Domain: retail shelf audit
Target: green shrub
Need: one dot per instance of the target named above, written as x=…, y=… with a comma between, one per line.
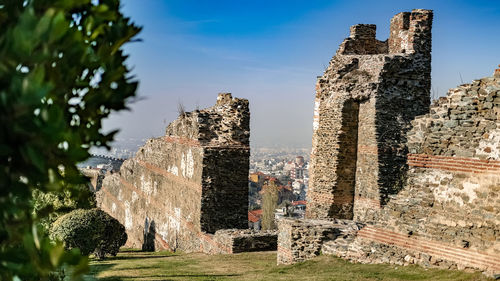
x=56, y=204
x=92, y=231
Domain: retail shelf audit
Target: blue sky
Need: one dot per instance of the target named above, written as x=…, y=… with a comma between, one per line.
x=271, y=52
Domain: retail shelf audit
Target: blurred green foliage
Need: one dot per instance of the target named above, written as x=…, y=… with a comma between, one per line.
x=61, y=203
x=62, y=71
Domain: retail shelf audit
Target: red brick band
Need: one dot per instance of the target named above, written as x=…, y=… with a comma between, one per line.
x=184, y=141
x=282, y=251
x=153, y=201
x=164, y=243
x=367, y=202
x=197, y=143
x=466, y=257
x=455, y=164
x=210, y=240
x=177, y=179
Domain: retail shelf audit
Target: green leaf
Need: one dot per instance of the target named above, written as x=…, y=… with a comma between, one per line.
x=56, y=253
x=59, y=27
x=44, y=23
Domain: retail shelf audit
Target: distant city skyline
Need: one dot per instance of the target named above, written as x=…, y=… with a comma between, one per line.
x=270, y=52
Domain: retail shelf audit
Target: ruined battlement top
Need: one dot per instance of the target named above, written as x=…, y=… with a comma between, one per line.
x=227, y=122
x=362, y=60
x=410, y=32
x=363, y=31
x=225, y=98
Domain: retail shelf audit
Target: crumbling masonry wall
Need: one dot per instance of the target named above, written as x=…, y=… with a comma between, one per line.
x=364, y=104
x=448, y=214
x=181, y=188
x=421, y=183
x=303, y=239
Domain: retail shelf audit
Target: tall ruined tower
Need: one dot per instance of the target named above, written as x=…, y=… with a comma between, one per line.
x=364, y=104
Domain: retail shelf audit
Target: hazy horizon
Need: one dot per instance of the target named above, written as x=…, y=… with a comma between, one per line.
x=271, y=54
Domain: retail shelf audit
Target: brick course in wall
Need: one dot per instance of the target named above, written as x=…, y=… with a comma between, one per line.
x=364, y=104
x=421, y=181
x=401, y=248
x=180, y=189
x=450, y=163
x=448, y=214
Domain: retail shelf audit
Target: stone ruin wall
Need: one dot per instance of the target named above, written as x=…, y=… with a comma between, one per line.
x=448, y=214
x=182, y=188
x=364, y=104
x=303, y=239
x=426, y=179
x=392, y=179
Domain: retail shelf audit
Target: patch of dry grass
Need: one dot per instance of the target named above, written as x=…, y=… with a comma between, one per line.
x=134, y=265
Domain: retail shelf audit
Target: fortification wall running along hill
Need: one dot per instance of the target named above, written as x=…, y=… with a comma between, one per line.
x=188, y=190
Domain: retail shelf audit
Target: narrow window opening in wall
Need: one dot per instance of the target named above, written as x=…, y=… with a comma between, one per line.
x=347, y=158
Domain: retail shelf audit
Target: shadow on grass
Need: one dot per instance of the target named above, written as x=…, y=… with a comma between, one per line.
x=136, y=257
x=114, y=279
x=130, y=250
x=191, y=275
x=163, y=276
x=95, y=269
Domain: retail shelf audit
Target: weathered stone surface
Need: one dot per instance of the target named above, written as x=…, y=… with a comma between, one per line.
x=448, y=213
x=96, y=177
x=231, y=241
x=303, y=239
x=192, y=182
x=423, y=180
x=364, y=104
x=465, y=123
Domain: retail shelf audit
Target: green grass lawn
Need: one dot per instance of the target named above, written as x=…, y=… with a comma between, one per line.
x=134, y=265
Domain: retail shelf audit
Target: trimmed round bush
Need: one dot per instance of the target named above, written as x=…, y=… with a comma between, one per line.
x=92, y=231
